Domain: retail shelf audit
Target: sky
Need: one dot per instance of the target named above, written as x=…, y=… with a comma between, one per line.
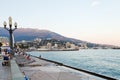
x=96, y=21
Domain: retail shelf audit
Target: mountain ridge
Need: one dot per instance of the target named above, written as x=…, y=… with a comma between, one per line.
x=29, y=34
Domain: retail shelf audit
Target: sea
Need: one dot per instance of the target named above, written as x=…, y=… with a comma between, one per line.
x=101, y=61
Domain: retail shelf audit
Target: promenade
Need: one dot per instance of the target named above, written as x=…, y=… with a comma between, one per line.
x=44, y=70
x=39, y=69
x=5, y=72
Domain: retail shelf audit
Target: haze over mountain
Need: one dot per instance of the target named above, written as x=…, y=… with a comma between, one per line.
x=29, y=34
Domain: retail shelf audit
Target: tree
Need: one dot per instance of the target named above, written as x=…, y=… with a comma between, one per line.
x=1, y=44
x=0, y=47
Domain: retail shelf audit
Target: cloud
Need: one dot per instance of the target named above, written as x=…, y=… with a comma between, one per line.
x=95, y=3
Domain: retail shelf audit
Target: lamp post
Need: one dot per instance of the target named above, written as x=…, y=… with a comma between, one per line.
x=10, y=30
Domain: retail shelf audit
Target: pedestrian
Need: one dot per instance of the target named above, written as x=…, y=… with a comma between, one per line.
x=25, y=77
x=5, y=59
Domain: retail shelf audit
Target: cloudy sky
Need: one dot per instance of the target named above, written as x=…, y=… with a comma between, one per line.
x=90, y=20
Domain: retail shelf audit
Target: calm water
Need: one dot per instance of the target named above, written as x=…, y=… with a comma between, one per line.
x=106, y=62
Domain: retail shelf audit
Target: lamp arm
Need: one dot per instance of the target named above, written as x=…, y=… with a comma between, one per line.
x=7, y=29
x=14, y=29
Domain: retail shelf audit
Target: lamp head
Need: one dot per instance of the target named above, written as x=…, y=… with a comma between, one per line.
x=5, y=24
x=15, y=24
x=10, y=21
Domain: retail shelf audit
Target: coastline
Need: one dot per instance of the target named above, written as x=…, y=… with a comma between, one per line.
x=43, y=69
x=54, y=50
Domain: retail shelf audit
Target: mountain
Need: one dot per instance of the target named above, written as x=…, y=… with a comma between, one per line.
x=30, y=34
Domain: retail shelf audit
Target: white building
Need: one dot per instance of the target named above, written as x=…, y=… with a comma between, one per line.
x=4, y=41
x=68, y=45
x=37, y=39
x=49, y=45
x=56, y=46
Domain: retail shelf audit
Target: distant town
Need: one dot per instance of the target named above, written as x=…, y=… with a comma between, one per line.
x=49, y=44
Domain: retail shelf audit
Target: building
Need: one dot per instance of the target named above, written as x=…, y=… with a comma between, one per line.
x=4, y=41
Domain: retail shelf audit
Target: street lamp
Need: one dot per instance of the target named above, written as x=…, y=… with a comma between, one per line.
x=10, y=30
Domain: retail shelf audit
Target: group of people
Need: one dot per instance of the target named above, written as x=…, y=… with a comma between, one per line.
x=7, y=55
x=25, y=55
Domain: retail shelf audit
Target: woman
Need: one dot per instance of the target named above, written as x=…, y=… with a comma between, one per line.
x=5, y=59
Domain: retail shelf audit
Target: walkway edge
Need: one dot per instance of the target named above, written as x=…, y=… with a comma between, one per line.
x=16, y=73
x=92, y=73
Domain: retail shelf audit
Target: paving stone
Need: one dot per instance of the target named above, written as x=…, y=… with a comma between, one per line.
x=5, y=72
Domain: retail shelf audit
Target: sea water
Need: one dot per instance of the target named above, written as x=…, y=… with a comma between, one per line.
x=101, y=61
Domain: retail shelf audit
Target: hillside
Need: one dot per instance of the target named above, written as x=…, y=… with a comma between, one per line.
x=30, y=34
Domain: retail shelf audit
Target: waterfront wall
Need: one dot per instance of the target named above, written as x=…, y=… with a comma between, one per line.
x=16, y=73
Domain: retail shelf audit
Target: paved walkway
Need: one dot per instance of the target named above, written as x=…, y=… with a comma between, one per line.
x=43, y=70
x=5, y=72
x=38, y=69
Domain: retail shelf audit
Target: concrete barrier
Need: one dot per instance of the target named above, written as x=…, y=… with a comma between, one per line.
x=16, y=73
x=92, y=73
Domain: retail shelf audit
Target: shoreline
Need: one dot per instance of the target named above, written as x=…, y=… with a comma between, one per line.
x=92, y=73
x=53, y=50
x=41, y=66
